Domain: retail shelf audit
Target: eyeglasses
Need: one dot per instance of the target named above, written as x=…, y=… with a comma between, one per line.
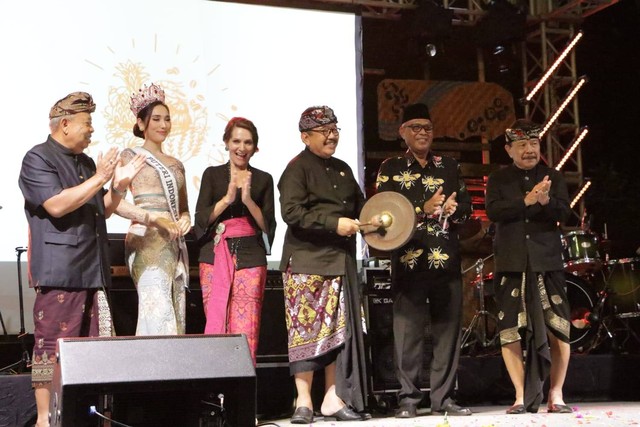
x=417, y=128
x=326, y=132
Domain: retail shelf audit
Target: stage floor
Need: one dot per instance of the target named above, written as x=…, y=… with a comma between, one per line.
x=602, y=389
x=592, y=414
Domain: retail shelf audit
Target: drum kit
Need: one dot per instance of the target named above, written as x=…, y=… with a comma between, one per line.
x=603, y=293
x=612, y=284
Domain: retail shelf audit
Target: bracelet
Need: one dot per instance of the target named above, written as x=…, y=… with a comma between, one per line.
x=118, y=192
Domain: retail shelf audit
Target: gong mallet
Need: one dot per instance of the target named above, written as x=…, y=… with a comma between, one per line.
x=386, y=219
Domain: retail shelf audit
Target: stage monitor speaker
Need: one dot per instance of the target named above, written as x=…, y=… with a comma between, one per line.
x=185, y=380
x=379, y=310
x=273, y=340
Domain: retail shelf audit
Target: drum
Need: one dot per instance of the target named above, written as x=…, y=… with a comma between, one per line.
x=581, y=255
x=623, y=280
x=582, y=300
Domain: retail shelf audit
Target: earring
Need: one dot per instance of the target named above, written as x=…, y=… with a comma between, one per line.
x=226, y=148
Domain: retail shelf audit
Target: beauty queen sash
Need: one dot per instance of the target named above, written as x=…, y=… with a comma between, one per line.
x=170, y=187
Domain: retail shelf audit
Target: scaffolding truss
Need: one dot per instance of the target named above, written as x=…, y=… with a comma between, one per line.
x=551, y=28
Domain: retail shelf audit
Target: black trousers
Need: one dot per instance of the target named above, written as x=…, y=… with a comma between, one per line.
x=443, y=289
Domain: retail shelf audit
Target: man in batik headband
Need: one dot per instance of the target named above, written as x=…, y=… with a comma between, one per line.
x=527, y=201
x=314, y=117
x=74, y=103
x=522, y=130
x=66, y=206
x=319, y=199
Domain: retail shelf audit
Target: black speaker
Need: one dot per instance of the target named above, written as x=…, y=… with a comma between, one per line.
x=379, y=313
x=276, y=389
x=123, y=301
x=186, y=380
x=123, y=297
x=273, y=341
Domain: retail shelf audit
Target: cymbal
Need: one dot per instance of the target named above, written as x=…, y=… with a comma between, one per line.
x=398, y=218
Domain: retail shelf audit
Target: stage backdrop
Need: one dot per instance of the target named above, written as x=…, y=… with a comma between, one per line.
x=459, y=110
x=215, y=60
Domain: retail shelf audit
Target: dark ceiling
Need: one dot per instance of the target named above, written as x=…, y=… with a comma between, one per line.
x=609, y=104
x=609, y=54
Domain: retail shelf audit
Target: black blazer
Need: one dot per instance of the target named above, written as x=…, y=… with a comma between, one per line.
x=250, y=251
x=526, y=234
x=314, y=194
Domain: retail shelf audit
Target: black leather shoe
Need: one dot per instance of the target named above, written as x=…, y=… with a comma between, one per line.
x=406, y=411
x=516, y=410
x=344, y=414
x=559, y=409
x=453, y=410
x=365, y=416
x=302, y=415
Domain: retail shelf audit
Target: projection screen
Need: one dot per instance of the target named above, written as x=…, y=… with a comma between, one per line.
x=216, y=60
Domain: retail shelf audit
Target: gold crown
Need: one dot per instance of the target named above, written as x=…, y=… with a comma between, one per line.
x=146, y=96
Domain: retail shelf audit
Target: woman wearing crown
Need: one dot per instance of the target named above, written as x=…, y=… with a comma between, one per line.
x=235, y=221
x=155, y=249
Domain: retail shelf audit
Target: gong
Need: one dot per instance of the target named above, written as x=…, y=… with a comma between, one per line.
x=398, y=221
